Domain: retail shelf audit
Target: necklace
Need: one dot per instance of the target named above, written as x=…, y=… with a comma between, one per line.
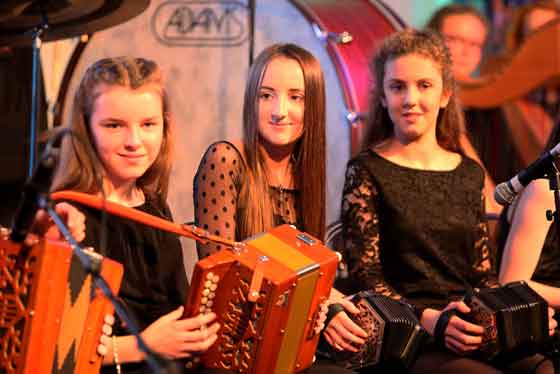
x=283, y=182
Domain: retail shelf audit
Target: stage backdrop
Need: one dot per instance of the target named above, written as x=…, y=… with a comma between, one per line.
x=203, y=48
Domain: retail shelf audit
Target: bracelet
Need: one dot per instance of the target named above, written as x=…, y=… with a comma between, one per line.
x=116, y=355
x=334, y=309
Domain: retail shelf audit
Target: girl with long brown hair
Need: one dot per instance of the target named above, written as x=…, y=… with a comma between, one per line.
x=276, y=173
x=121, y=149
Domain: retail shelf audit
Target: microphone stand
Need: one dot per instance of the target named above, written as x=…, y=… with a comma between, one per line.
x=36, y=35
x=93, y=267
x=554, y=184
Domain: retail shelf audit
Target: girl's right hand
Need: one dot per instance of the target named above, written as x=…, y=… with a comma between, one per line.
x=173, y=337
x=460, y=336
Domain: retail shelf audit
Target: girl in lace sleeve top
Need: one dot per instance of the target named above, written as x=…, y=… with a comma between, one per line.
x=276, y=173
x=413, y=212
x=248, y=186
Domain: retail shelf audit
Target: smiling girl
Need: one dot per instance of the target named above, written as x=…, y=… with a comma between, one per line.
x=122, y=150
x=413, y=211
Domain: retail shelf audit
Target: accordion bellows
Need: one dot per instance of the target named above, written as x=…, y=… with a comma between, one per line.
x=514, y=317
x=50, y=312
x=267, y=297
x=395, y=336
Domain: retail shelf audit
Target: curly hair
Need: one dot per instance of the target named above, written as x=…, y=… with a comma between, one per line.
x=429, y=44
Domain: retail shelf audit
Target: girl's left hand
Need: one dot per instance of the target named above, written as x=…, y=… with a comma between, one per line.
x=43, y=226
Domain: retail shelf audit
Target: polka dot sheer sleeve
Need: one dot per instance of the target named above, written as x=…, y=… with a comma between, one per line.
x=216, y=187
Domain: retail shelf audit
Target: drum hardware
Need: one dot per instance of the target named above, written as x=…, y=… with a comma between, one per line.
x=354, y=117
x=339, y=38
x=46, y=20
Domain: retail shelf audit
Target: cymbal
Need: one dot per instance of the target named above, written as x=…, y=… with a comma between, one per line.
x=65, y=18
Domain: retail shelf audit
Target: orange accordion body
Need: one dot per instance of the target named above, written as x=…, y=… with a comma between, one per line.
x=50, y=312
x=267, y=294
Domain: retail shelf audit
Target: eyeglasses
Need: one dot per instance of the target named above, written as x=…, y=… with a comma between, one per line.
x=469, y=43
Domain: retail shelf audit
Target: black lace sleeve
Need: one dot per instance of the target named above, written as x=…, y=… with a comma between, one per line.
x=215, y=193
x=360, y=225
x=483, y=266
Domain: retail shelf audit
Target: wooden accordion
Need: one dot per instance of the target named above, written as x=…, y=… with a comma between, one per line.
x=514, y=317
x=267, y=295
x=50, y=312
x=394, y=334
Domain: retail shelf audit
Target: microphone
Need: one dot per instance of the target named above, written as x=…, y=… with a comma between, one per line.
x=36, y=186
x=506, y=191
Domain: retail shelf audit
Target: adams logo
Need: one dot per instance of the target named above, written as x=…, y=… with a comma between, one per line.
x=201, y=23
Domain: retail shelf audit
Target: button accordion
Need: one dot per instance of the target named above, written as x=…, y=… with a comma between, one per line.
x=395, y=336
x=514, y=317
x=267, y=293
x=50, y=312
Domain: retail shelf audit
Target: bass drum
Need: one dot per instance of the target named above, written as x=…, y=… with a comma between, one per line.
x=203, y=48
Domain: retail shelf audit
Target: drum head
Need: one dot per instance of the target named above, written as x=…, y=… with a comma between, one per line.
x=203, y=49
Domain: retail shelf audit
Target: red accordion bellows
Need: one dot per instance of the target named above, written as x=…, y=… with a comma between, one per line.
x=49, y=323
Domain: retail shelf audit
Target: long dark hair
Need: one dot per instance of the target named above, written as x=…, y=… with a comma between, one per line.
x=309, y=153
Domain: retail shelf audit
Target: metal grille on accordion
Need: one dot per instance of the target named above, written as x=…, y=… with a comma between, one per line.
x=514, y=317
x=267, y=295
x=395, y=335
x=50, y=313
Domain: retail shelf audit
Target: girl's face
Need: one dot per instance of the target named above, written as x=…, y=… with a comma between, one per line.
x=127, y=128
x=413, y=95
x=281, y=102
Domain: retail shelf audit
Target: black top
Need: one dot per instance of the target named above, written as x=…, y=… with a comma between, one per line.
x=217, y=184
x=413, y=233
x=154, y=281
x=547, y=270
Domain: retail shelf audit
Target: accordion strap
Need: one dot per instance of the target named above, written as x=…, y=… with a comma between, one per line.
x=189, y=231
x=441, y=325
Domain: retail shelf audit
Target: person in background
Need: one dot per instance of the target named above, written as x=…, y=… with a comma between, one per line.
x=530, y=241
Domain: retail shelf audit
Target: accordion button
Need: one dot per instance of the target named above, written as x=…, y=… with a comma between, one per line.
x=215, y=279
x=210, y=303
x=213, y=287
x=206, y=292
x=210, y=275
x=208, y=284
x=211, y=295
x=204, y=300
x=202, y=309
x=189, y=365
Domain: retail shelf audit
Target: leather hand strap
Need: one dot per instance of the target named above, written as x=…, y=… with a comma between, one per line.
x=441, y=325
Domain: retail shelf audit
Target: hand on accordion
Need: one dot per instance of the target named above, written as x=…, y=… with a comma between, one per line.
x=341, y=332
x=458, y=335
x=173, y=337
x=552, y=323
x=44, y=226
x=106, y=332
